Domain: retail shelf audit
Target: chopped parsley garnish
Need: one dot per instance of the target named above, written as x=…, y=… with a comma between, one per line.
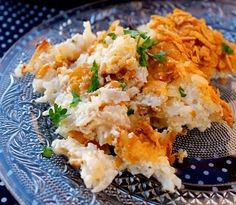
x=143, y=57
x=123, y=84
x=143, y=34
x=182, y=92
x=227, y=49
x=161, y=56
x=142, y=50
x=132, y=33
x=76, y=99
x=130, y=111
x=73, y=41
x=146, y=44
x=112, y=35
x=94, y=84
x=57, y=114
x=47, y=152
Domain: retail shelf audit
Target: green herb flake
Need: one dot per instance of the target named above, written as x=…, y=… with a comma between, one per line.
x=73, y=41
x=57, y=114
x=161, y=56
x=227, y=49
x=143, y=34
x=182, y=92
x=123, y=85
x=130, y=111
x=143, y=57
x=76, y=99
x=47, y=152
x=148, y=43
x=94, y=84
x=112, y=35
x=134, y=33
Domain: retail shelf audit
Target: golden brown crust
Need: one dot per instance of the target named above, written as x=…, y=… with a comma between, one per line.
x=41, y=47
x=80, y=79
x=192, y=39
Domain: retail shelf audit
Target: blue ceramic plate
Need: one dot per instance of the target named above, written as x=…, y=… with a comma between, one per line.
x=208, y=174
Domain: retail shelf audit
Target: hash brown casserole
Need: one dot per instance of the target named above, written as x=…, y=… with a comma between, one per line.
x=120, y=97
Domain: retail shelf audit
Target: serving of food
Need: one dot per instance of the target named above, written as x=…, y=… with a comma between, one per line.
x=120, y=97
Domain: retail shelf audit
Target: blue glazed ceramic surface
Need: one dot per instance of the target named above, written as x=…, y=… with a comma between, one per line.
x=208, y=174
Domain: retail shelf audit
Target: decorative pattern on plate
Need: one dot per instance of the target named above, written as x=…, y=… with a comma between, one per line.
x=209, y=175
